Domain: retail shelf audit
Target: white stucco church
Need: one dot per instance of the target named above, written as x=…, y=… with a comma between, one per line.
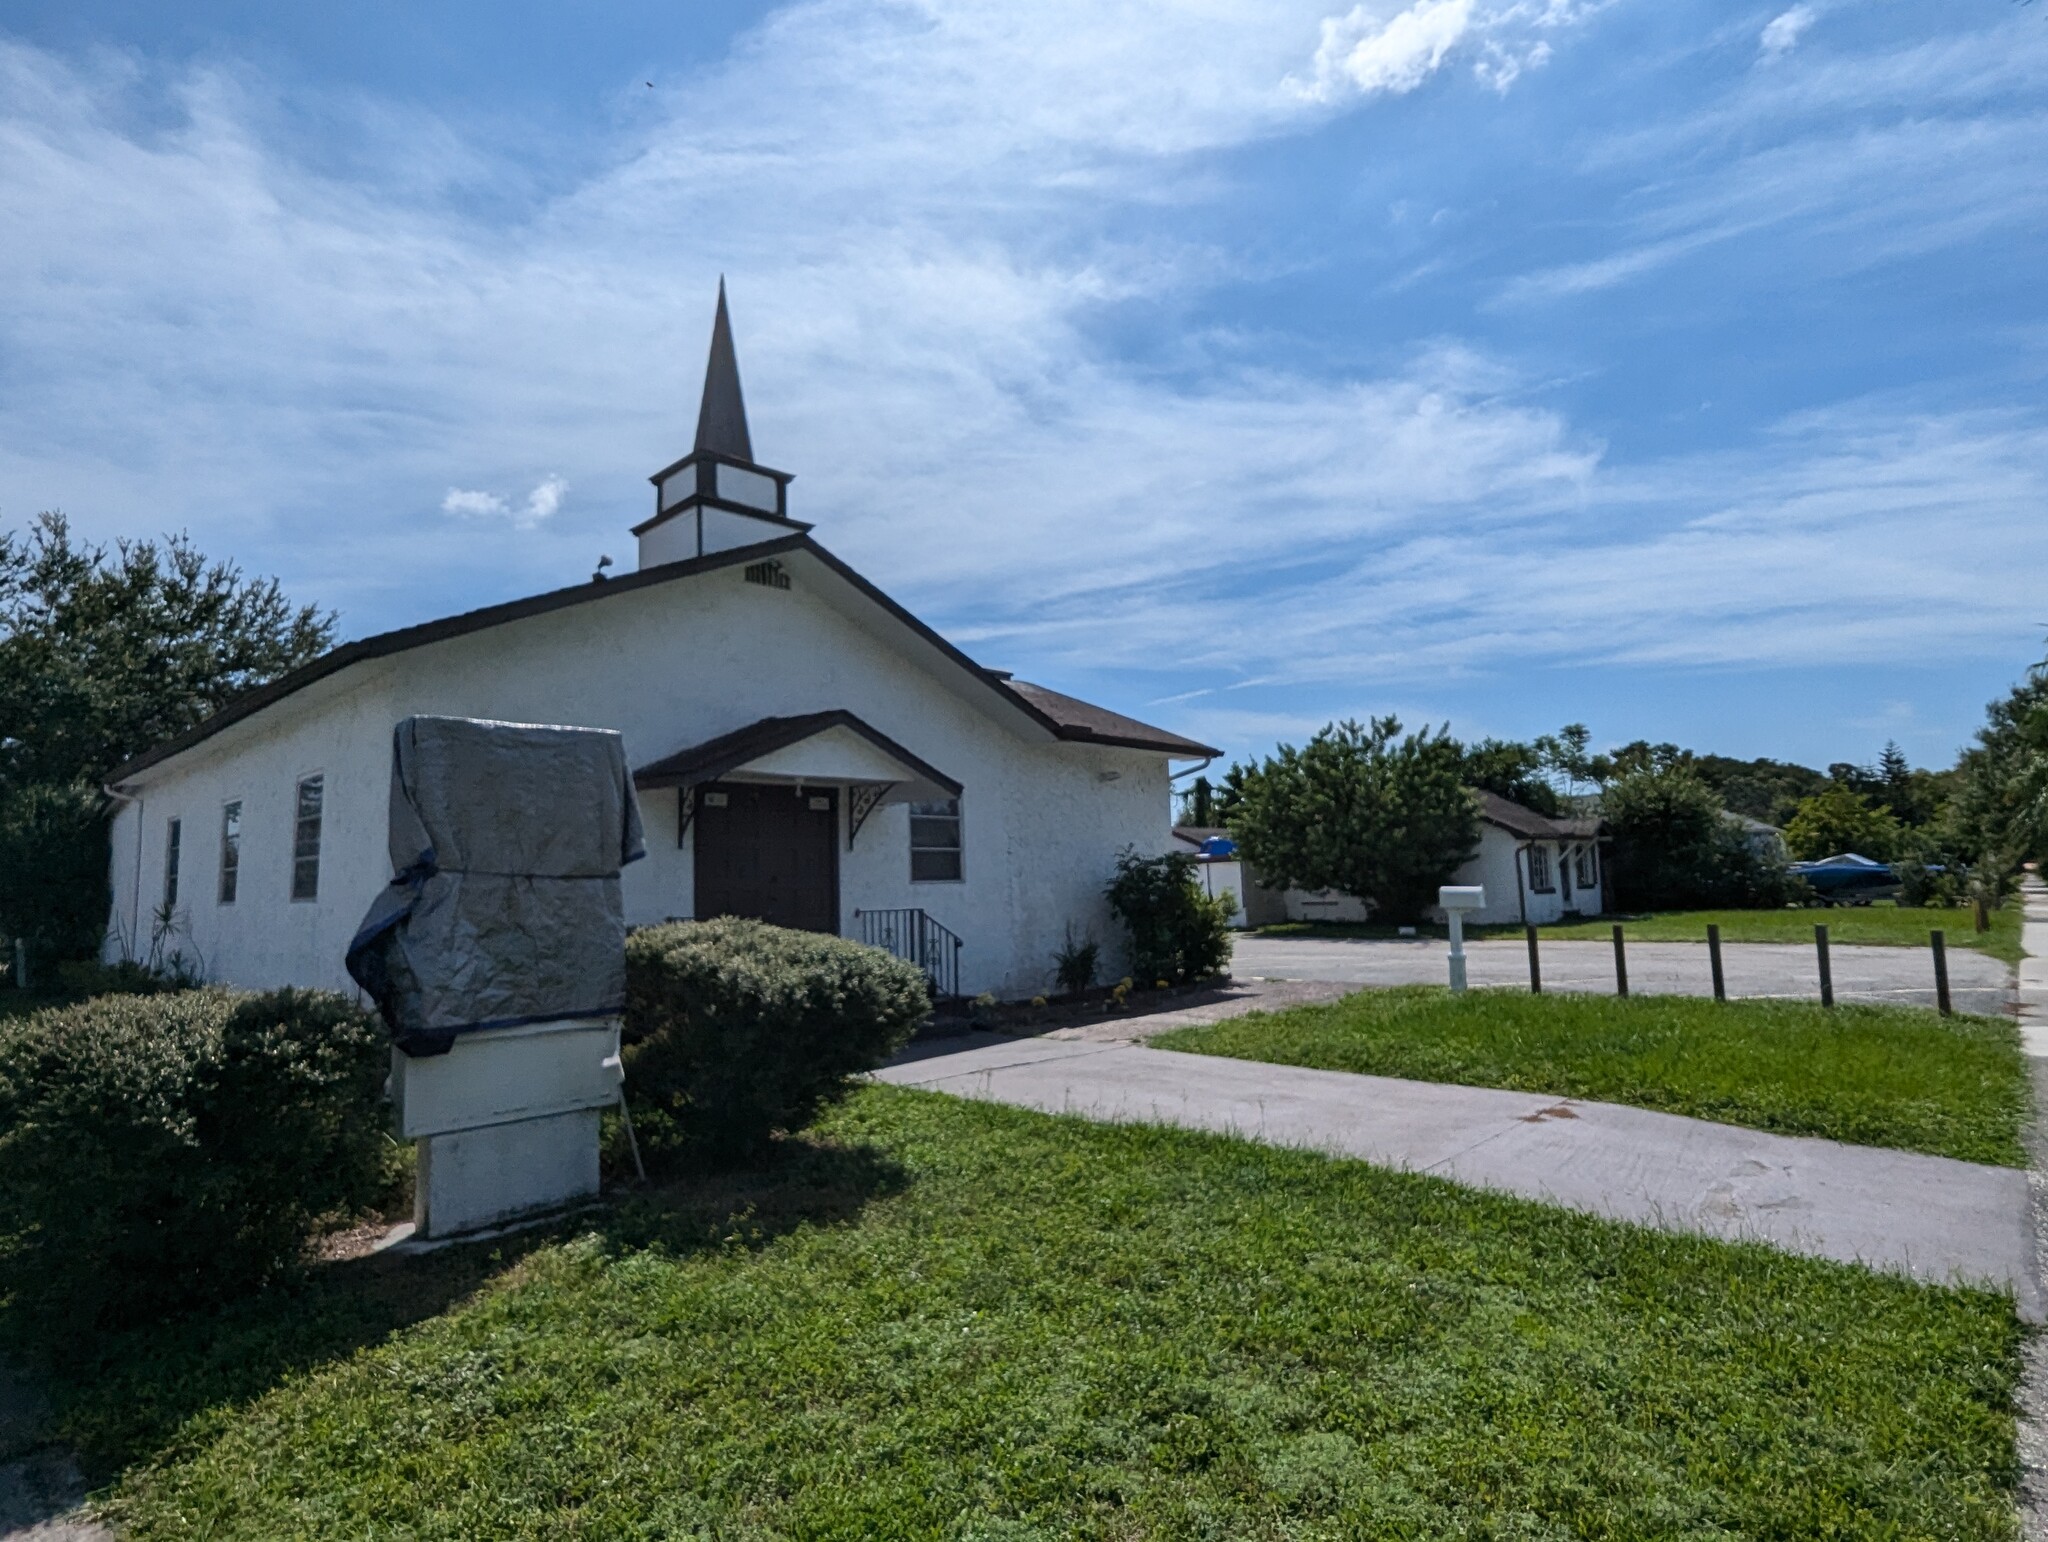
x=806, y=751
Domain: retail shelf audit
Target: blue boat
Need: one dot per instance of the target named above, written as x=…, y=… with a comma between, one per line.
x=1848, y=879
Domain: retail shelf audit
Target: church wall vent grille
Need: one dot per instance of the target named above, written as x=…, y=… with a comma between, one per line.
x=770, y=574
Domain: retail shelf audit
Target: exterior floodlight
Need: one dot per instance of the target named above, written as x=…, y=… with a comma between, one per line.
x=1455, y=899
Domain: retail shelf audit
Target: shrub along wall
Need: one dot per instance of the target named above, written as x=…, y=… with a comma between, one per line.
x=159, y=1153
x=736, y=1029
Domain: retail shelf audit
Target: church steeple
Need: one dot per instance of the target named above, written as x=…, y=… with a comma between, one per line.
x=717, y=497
x=722, y=419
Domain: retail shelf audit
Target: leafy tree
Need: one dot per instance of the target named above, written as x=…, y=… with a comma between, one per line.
x=1672, y=849
x=1998, y=816
x=1363, y=810
x=1568, y=754
x=1179, y=932
x=1763, y=788
x=1198, y=804
x=1513, y=771
x=103, y=654
x=1839, y=820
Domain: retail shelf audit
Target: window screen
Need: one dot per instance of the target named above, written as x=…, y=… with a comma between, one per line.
x=230, y=850
x=1539, y=867
x=1588, y=868
x=173, y=838
x=306, y=841
x=935, y=841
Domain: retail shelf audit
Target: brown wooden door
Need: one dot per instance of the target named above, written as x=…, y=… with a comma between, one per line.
x=768, y=852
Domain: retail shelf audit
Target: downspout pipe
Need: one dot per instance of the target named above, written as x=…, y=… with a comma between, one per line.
x=1521, y=891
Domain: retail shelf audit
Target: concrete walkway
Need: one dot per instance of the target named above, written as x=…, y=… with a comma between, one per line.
x=1930, y=1217
x=1903, y=976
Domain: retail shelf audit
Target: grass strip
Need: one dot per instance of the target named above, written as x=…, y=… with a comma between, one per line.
x=939, y=1318
x=1870, y=1075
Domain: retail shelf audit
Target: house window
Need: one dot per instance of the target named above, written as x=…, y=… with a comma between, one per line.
x=230, y=850
x=306, y=841
x=174, y=833
x=1588, y=868
x=935, y=841
x=1539, y=869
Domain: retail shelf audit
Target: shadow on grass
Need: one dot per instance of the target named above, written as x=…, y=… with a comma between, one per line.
x=150, y=1393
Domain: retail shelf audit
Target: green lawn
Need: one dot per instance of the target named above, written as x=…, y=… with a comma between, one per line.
x=1884, y=924
x=952, y=1319
x=1878, y=1076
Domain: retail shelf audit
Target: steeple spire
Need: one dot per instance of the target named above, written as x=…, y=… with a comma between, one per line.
x=717, y=497
x=722, y=419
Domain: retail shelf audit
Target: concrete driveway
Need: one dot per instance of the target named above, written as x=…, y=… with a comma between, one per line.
x=1977, y=981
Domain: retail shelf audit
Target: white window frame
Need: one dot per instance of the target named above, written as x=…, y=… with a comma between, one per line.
x=299, y=786
x=228, y=882
x=174, y=853
x=1548, y=885
x=958, y=848
x=1588, y=869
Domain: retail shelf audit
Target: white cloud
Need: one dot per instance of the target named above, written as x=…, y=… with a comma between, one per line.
x=1365, y=53
x=540, y=504
x=1368, y=51
x=1782, y=33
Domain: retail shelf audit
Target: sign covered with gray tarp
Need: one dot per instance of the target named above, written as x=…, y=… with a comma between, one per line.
x=507, y=840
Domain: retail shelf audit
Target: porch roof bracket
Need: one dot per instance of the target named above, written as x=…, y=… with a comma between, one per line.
x=862, y=799
x=686, y=810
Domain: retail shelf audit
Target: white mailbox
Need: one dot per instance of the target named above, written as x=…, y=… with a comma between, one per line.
x=1455, y=899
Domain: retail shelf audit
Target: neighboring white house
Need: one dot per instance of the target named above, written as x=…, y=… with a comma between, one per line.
x=1251, y=903
x=1535, y=869
x=806, y=751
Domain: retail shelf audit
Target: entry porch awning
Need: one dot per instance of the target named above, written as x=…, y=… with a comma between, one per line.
x=834, y=747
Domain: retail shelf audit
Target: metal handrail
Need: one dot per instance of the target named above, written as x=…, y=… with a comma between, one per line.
x=913, y=935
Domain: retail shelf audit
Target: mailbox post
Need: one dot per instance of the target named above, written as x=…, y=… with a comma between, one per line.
x=1455, y=900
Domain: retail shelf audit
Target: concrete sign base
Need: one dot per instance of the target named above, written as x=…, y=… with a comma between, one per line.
x=506, y=1123
x=476, y=1178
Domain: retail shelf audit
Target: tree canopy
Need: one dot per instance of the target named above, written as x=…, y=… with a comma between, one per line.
x=103, y=654
x=1361, y=809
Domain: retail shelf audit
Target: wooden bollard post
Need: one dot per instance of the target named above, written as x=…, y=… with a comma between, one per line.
x=1940, y=944
x=1714, y=958
x=1535, y=966
x=1827, y=974
x=1620, y=964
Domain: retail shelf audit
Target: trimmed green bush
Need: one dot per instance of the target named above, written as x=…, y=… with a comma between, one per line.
x=737, y=1029
x=1178, y=931
x=160, y=1153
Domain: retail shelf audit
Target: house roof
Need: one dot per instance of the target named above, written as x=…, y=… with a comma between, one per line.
x=728, y=752
x=1194, y=835
x=1527, y=823
x=1061, y=716
x=1079, y=720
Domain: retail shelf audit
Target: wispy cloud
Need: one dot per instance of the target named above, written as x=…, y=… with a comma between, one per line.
x=1782, y=33
x=927, y=213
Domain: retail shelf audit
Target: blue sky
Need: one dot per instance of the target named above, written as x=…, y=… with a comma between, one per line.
x=1671, y=367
